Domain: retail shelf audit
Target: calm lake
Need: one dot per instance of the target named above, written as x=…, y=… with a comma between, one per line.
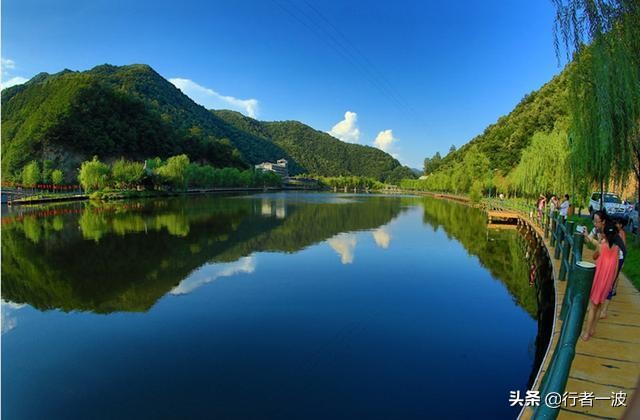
x=284, y=305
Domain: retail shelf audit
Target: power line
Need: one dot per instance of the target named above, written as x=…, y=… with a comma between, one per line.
x=336, y=40
x=358, y=54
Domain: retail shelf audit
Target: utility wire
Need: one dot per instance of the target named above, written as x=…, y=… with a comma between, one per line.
x=345, y=48
x=363, y=58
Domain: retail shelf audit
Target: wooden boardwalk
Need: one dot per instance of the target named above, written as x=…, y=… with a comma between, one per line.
x=609, y=361
x=502, y=216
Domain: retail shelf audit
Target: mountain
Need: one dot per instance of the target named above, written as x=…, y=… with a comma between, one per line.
x=319, y=153
x=504, y=141
x=133, y=112
x=70, y=116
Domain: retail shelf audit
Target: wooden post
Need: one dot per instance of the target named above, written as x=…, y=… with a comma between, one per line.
x=560, y=238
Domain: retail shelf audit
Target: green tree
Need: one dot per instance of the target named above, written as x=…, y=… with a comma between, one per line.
x=174, y=171
x=271, y=179
x=31, y=174
x=57, y=177
x=126, y=174
x=476, y=166
x=476, y=191
x=47, y=169
x=604, y=85
x=459, y=180
x=543, y=167
x=432, y=165
x=452, y=148
x=426, y=165
x=94, y=175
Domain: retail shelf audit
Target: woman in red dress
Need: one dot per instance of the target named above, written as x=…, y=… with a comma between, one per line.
x=606, y=270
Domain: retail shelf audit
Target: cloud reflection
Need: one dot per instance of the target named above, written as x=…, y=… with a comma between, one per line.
x=9, y=322
x=344, y=244
x=213, y=272
x=382, y=238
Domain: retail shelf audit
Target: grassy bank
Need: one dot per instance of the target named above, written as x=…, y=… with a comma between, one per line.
x=631, y=266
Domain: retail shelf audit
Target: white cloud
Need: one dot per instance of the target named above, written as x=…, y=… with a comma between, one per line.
x=347, y=129
x=8, y=64
x=344, y=244
x=384, y=140
x=5, y=70
x=14, y=81
x=211, y=99
x=212, y=272
x=382, y=238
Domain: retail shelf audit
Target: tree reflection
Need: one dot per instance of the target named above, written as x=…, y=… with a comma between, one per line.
x=499, y=251
x=125, y=256
x=517, y=258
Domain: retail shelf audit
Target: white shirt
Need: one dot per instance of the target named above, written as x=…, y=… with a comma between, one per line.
x=564, y=208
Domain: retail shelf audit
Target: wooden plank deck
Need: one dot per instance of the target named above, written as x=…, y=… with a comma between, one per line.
x=502, y=216
x=610, y=360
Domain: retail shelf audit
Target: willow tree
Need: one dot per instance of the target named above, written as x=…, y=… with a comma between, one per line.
x=31, y=174
x=604, y=86
x=543, y=166
x=93, y=175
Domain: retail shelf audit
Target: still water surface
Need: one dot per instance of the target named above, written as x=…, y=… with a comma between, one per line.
x=265, y=306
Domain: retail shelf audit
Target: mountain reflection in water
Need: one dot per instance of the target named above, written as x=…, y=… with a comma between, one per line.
x=270, y=305
x=125, y=256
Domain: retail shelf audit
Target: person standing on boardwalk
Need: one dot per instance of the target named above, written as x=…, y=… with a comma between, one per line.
x=599, y=219
x=621, y=242
x=564, y=206
x=553, y=204
x=606, y=271
x=542, y=202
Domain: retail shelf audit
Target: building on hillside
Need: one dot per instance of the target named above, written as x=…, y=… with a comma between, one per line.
x=279, y=167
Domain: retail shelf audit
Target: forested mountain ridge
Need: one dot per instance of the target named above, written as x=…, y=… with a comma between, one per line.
x=504, y=141
x=133, y=112
x=70, y=116
x=318, y=152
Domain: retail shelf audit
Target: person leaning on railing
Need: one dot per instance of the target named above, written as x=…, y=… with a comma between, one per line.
x=606, y=271
x=564, y=206
x=553, y=204
x=542, y=202
x=621, y=241
x=596, y=235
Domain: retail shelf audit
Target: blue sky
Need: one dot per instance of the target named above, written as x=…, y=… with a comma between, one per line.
x=412, y=77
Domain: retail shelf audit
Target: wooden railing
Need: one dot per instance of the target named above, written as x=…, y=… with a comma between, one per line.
x=568, y=245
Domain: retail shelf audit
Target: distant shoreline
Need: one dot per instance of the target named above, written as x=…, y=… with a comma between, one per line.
x=132, y=194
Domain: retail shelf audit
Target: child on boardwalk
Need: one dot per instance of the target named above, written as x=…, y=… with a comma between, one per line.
x=606, y=270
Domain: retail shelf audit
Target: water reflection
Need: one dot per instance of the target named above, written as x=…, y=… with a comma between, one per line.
x=519, y=260
x=344, y=244
x=268, y=332
x=212, y=272
x=125, y=256
x=382, y=237
x=9, y=320
x=499, y=251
